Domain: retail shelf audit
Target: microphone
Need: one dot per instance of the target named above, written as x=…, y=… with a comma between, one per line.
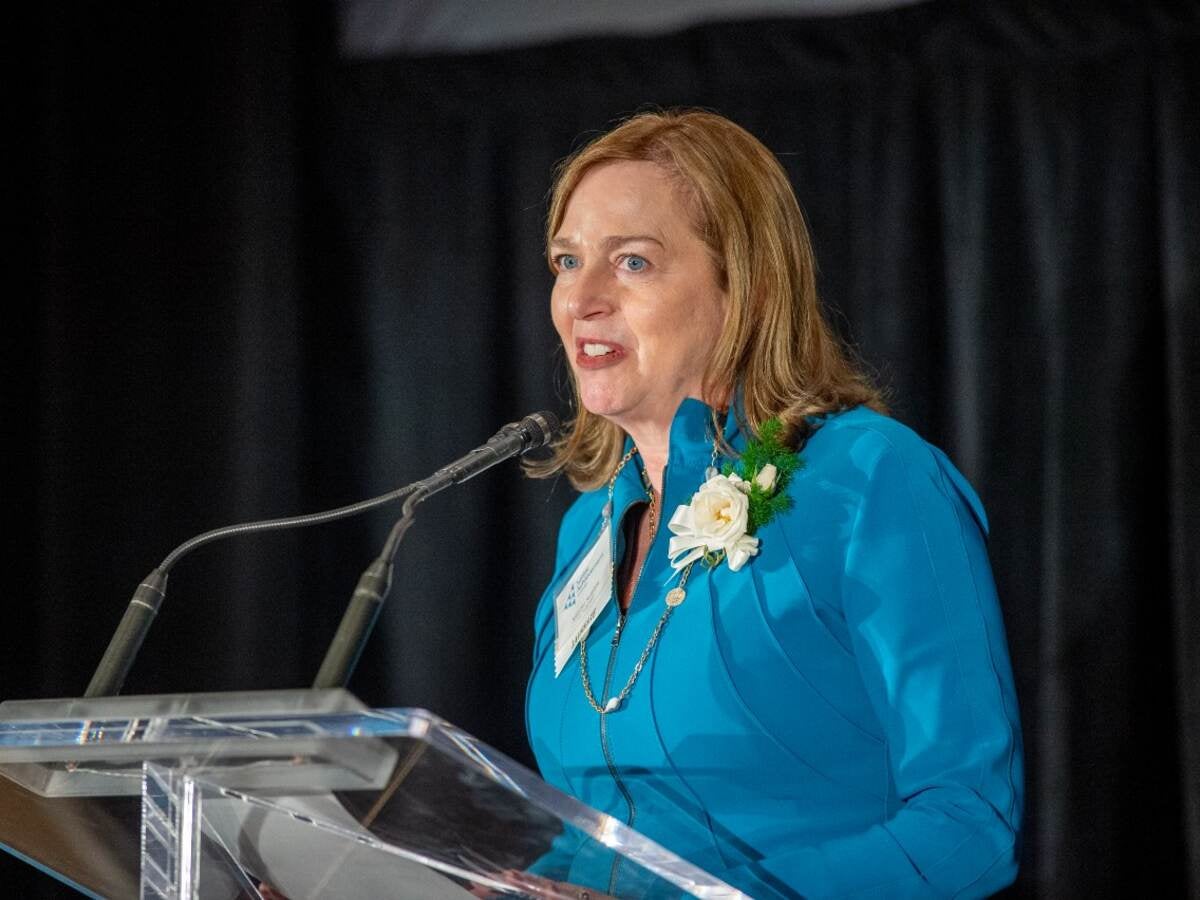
x=533, y=431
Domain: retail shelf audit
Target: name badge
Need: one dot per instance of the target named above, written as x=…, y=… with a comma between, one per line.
x=582, y=599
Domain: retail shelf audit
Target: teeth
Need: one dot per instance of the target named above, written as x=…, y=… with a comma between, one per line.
x=596, y=349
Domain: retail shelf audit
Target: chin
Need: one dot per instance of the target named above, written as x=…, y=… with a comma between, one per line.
x=605, y=409
x=602, y=403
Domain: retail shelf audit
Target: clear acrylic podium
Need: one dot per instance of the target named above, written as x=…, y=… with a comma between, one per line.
x=307, y=793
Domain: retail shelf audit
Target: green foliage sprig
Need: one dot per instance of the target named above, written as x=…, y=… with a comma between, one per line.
x=767, y=449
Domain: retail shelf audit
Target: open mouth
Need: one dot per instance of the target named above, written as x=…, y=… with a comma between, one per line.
x=593, y=353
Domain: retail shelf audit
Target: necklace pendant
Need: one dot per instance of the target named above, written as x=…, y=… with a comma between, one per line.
x=675, y=596
x=613, y=704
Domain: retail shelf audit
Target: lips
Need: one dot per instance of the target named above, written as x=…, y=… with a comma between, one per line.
x=593, y=353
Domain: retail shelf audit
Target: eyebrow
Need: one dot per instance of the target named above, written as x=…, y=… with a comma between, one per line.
x=609, y=242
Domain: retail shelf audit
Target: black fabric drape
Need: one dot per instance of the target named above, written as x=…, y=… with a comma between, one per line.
x=267, y=280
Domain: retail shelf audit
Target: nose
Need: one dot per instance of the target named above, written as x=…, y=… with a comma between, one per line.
x=589, y=296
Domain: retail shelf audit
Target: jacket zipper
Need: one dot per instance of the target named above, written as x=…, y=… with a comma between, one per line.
x=612, y=767
x=608, y=674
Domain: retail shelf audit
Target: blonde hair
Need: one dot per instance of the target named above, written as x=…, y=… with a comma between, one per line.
x=776, y=346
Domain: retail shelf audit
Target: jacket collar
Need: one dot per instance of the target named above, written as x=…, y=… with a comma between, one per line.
x=689, y=456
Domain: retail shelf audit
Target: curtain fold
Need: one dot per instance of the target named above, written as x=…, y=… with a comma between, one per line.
x=1176, y=138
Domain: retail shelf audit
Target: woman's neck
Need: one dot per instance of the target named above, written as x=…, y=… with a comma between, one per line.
x=653, y=446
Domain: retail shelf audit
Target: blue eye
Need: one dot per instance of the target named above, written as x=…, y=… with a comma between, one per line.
x=567, y=261
x=635, y=263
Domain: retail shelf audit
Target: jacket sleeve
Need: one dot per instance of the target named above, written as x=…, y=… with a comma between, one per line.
x=926, y=630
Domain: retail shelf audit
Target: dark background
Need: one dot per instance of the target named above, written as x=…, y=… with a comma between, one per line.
x=254, y=277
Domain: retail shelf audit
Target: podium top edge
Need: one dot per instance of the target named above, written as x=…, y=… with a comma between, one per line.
x=225, y=703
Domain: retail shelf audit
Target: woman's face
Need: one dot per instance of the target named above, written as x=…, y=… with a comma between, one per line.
x=636, y=298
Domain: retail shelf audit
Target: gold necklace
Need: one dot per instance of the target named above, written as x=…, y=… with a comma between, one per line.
x=674, y=597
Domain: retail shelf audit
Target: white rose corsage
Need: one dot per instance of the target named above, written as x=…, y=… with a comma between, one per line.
x=720, y=522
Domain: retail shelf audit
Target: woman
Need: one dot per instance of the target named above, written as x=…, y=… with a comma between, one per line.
x=826, y=706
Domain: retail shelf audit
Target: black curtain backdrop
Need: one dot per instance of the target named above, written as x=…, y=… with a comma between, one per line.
x=261, y=279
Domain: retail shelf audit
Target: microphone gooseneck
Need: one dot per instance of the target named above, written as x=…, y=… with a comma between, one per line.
x=533, y=431
x=143, y=606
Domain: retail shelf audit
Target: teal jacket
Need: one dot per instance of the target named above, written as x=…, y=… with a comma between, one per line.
x=837, y=718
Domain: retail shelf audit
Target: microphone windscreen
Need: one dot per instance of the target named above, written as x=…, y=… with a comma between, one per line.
x=538, y=429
